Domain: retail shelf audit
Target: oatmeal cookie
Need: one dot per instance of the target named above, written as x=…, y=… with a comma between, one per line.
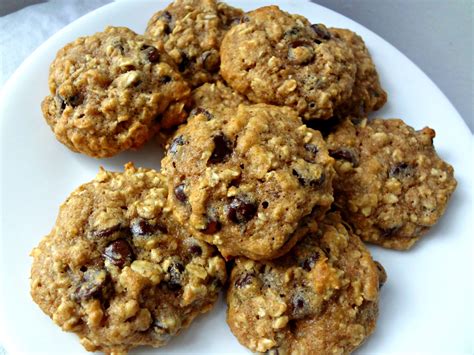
x=281, y=59
x=244, y=179
x=217, y=96
x=112, y=91
x=118, y=270
x=390, y=183
x=191, y=32
x=367, y=93
x=320, y=298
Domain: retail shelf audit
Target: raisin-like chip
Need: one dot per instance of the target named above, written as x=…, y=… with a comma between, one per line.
x=347, y=154
x=222, y=149
x=179, y=193
x=243, y=280
x=178, y=141
x=309, y=262
x=240, y=210
x=321, y=31
x=401, y=171
x=175, y=271
x=165, y=79
x=311, y=148
x=210, y=60
x=309, y=182
x=91, y=285
x=195, y=250
x=151, y=53
x=140, y=227
x=200, y=110
x=389, y=232
x=212, y=226
x=102, y=233
x=184, y=64
x=119, y=253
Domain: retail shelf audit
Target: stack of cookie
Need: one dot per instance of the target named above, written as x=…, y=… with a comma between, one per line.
x=272, y=171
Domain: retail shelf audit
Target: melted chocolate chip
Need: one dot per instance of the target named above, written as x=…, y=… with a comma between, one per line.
x=311, y=148
x=309, y=262
x=102, y=233
x=212, y=226
x=401, y=171
x=165, y=79
x=309, y=182
x=211, y=60
x=389, y=232
x=119, y=253
x=347, y=154
x=175, y=271
x=200, y=110
x=222, y=149
x=178, y=141
x=151, y=53
x=91, y=285
x=184, y=64
x=195, y=250
x=241, y=211
x=265, y=204
x=140, y=227
x=179, y=193
x=243, y=280
x=61, y=103
x=321, y=31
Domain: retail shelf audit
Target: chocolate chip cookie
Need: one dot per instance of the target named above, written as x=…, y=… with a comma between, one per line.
x=281, y=59
x=112, y=91
x=244, y=179
x=118, y=270
x=367, y=93
x=217, y=96
x=390, y=184
x=320, y=298
x=191, y=32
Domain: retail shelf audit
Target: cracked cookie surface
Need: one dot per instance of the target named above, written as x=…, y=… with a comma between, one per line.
x=390, y=183
x=277, y=58
x=367, y=93
x=118, y=270
x=320, y=298
x=191, y=32
x=244, y=179
x=112, y=91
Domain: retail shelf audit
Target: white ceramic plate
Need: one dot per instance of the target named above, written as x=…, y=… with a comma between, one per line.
x=426, y=305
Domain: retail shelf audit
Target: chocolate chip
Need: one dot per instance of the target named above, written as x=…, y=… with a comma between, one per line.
x=309, y=182
x=401, y=171
x=244, y=19
x=212, y=226
x=165, y=79
x=91, y=284
x=243, y=280
x=382, y=273
x=175, y=271
x=179, y=193
x=264, y=204
x=240, y=210
x=347, y=154
x=151, y=53
x=389, y=232
x=119, y=253
x=222, y=149
x=200, y=110
x=73, y=101
x=102, y=233
x=178, y=141
x=321, y=31
x=195, y=250
x=309, y=262
x=182, y=66
x=165, y=16
x=61, y=103
x=140, y=227
x=311, y=148
x=211, y=60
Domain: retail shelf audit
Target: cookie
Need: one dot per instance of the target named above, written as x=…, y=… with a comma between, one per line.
x=277, y=58
x=390, y=184
x=112, y=91
x=320, y=298
x=367, y=93
x=244, y=179
x=118, y=270
x=191, y=32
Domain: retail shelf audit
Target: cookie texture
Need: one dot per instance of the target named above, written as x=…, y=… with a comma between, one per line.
x=245, y=179
x=277, y=58
x=191, y=31
x=367, y=93
x=112, y=91
x=390, y=184
x=118, y=270
x=320, y=298
x=217, y=97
